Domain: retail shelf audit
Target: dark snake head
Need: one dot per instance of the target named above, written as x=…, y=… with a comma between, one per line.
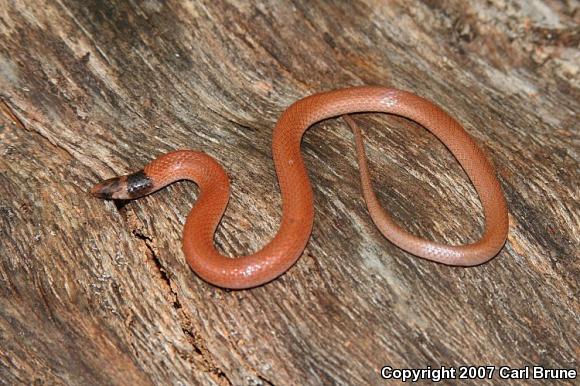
x=124, y=187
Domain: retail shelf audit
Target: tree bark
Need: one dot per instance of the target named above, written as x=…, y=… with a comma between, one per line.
x=97, y=293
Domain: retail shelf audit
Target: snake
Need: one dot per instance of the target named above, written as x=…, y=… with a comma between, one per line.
x=295, y=228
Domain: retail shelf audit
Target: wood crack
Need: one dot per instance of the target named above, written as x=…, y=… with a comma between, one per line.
x=80, y=84
x=185, y=320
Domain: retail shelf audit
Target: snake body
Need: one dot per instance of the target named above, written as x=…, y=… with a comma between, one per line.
x=297, y=199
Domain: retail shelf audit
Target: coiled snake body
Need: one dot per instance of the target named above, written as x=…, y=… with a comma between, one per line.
x=297, y=198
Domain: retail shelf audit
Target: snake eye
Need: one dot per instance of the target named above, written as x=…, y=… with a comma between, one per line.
x=111, y=189
x=124, y=188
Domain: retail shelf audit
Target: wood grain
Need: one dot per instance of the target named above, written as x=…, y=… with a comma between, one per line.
x=97, y=293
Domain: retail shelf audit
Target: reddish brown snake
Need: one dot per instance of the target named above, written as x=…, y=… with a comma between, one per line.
x=298, y=212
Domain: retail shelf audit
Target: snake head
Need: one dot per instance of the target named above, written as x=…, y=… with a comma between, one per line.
x=124, y=187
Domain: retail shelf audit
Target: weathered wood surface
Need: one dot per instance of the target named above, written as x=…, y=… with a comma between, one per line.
x=92, y=293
